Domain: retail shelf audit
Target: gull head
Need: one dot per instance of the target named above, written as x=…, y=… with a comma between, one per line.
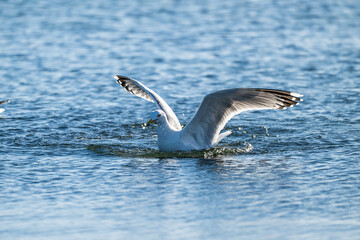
x=157, y=117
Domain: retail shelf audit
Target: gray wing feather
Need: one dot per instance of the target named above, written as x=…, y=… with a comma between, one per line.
x=219, y=107
x=140, y=90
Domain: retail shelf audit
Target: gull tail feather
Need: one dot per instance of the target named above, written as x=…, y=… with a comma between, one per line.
x=222, y=136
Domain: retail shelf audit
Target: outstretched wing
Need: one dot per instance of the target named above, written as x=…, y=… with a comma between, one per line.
x=219, y=107
x=140, y=90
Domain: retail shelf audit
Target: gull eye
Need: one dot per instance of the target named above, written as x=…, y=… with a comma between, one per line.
x=159, y=115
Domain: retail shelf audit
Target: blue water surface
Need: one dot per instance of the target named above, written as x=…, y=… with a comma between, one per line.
x=76, y=161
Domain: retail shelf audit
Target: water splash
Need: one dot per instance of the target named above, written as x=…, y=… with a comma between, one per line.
x=217, y=152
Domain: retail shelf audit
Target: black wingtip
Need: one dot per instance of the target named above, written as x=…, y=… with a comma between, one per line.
x=287, y=99
x=119, y=77
x=3, y=102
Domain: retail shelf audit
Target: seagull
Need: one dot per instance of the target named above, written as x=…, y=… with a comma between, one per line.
x=217, y=108
x=3, y=102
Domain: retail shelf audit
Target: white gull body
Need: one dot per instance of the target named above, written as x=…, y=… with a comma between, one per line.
x=216, y=109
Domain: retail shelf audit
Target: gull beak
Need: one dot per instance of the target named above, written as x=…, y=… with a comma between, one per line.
x=150, y=122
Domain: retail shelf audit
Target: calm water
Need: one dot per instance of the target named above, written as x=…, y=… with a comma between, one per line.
x=77, y=163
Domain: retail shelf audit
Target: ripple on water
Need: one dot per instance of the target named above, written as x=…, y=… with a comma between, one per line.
x=75, y=165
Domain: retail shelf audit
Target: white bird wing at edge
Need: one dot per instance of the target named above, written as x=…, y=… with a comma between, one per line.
x=3, y=102
x=219, y=107
x=138, y=89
